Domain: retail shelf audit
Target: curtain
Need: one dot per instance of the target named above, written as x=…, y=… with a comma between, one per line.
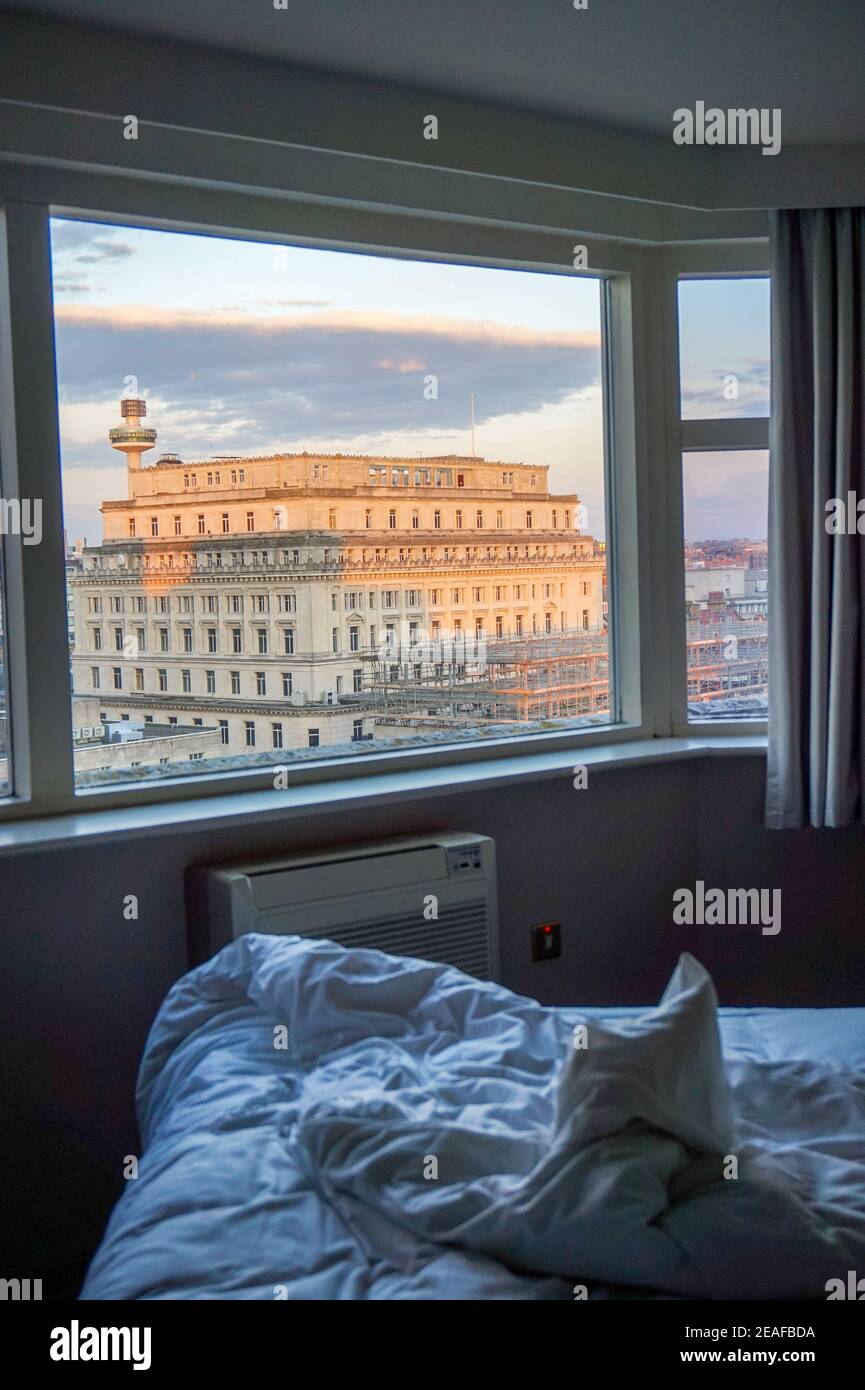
x=816, y=763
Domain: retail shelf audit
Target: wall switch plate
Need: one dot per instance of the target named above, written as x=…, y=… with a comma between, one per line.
x=546, y=940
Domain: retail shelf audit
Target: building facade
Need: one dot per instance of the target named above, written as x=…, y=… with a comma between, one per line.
x=306, y=600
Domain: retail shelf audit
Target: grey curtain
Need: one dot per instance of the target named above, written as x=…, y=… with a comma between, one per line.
x=816, y=768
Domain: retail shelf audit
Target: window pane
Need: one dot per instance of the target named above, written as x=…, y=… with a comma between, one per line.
x=724, y=348
x=323, y=503
x=726, y=590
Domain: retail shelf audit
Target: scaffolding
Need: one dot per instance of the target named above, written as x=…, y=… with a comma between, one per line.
x=525, y=678
x=727, y=659
x=516, y=678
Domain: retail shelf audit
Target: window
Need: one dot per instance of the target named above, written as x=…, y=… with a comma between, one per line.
x=550, y=419
x=276, y=730
x=724, y=348
x=724, y=375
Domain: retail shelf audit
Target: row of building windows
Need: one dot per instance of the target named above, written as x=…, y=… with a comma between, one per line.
x=380, y=475
x=287, y=559
x=214, y=477
x=354, y=600
x=136, y=679
x=134, y=643
x=251, y=734
x=191, y=603
x=460, y=520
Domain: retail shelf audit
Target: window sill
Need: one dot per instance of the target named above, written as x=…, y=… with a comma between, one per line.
x=218, y=812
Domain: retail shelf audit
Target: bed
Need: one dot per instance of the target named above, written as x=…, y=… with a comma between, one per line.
x=322, y=1123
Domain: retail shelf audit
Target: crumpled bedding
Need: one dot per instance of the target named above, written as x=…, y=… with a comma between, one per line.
x=322, y=1123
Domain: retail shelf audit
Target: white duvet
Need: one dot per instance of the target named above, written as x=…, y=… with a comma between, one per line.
x=322, y=1123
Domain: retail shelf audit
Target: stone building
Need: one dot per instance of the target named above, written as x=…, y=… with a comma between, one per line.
x=273, y=599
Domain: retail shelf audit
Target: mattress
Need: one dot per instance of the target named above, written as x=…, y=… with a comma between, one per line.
x=328, y=1124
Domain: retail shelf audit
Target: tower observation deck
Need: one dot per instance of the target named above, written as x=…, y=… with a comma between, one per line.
x=131, y=438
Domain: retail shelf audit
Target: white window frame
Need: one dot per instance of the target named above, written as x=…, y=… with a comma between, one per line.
x=716, y=262
x=645, y=568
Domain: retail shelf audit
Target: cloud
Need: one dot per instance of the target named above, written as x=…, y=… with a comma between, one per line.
x=88, y=243
x=295, y=303
x=703, y=391
x=71, y=282
x=229, y=380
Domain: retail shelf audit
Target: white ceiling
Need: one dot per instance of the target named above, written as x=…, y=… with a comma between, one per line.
x=624, y=62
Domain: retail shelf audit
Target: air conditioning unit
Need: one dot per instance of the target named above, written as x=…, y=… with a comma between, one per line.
x=331, y=697
x=432, y=897
x=298, y=697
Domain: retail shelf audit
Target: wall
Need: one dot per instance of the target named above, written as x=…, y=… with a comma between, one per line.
x=83, y=984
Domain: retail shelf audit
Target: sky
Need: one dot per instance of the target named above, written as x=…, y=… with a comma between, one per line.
x=251, y=348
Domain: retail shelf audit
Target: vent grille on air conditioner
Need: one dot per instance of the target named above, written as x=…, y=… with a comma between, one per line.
x=431, y=898
x=460, y=937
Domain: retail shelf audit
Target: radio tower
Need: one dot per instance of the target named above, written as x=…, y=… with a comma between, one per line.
x=129, y=437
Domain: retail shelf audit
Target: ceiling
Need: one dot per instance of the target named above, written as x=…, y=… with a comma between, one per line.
x=627, y=63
